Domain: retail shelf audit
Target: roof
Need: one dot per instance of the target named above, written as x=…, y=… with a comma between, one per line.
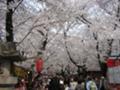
x=8, y=51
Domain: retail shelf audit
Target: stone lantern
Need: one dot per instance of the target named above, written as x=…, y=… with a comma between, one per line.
x=8, y=55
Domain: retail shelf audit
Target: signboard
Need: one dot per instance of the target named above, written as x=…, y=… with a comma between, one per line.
x=20, y=72
x=113, y=64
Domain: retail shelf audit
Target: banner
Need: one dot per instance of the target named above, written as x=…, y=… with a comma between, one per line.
x=113, y=72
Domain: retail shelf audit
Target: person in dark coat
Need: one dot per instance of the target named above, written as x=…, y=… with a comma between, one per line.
x=54, y=84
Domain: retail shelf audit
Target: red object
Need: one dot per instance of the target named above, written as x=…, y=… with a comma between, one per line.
x=39, y=65
x=110, y=62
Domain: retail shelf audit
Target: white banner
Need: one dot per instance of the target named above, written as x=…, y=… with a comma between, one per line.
x=114, y=75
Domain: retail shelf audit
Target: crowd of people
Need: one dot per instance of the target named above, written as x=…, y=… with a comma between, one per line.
x=59, y=82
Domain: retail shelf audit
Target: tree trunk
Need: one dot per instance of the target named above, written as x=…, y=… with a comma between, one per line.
x=9, y=23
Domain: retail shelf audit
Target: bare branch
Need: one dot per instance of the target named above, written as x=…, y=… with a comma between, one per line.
x=29, y=32
x=110, y=42
x=49, y=56
x=70, y=57
x=41, y=32
x=95, y=36
x=117, y=16
x=44, y=43
x=23, y=22
x=17, y=5
x=84, y=20
x=32, y=45
x=54, y=36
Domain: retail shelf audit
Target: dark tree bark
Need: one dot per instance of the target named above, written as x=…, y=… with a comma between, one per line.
x=9, y=22
x=102, y=65
x=117, y=15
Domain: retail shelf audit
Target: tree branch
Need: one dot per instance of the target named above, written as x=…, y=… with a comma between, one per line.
x=17, y=5
x=49, y=56
x=65, y=37
x=28, y=33
x=23, y=22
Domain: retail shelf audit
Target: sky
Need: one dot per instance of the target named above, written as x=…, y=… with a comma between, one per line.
x=33, y=5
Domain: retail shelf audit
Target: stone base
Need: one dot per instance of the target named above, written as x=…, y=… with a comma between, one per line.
x=7, y=88
x=7, y=83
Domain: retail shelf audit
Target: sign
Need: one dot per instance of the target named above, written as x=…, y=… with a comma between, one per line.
x=39, y=65
x=113, y=72
x=20, y=72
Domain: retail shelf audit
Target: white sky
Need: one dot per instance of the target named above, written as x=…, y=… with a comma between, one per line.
x=33, y=5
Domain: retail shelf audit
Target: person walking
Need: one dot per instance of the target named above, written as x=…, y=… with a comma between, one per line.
x=103, y=84
x=91, y=85
x=80, y=85
x=73, y=84
x=54, y=84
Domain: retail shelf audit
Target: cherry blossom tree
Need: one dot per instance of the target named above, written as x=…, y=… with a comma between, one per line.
x=90, y=28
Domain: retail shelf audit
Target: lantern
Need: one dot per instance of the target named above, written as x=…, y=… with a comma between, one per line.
x=39, y=65
x=110, y=62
